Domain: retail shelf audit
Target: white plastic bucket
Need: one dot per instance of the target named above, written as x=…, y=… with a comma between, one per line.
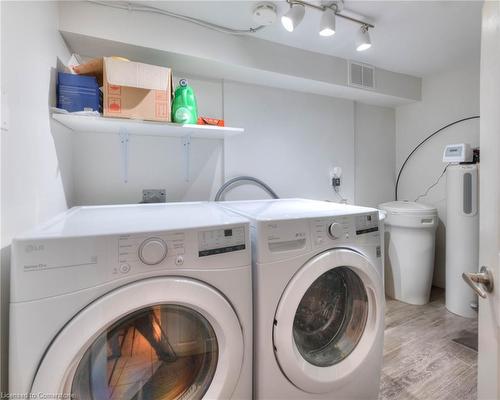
x=410, y=234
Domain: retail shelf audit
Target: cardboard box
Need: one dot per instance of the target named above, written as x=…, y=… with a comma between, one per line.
x=131, y=89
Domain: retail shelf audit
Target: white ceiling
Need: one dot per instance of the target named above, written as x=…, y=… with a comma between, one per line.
x=413, y=37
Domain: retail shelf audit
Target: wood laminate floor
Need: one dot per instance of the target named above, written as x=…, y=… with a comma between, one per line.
x=421, y=360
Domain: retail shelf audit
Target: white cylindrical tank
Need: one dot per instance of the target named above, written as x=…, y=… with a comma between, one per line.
x=462, y=236
x=410, y=234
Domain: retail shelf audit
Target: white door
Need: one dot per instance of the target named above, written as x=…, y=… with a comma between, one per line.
x=328, y=320
x=489, y=307
x=160, y=338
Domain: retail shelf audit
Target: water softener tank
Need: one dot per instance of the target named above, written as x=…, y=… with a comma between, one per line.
x=462, y=236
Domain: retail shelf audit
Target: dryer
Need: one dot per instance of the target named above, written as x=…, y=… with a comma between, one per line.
x=135, y=301
x=318, y=299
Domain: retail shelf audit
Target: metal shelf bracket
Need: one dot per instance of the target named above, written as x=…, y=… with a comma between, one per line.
x=187, y=154
x=124, y=140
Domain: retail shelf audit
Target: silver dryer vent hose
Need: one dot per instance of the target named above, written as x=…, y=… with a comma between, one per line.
x=258, y=182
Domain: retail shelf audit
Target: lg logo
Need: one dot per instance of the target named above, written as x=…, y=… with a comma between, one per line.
x=33, y=247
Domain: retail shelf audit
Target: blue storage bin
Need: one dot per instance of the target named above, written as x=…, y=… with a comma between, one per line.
x=77, y=92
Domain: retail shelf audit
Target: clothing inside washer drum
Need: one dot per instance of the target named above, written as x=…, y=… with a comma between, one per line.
x=331, y=317
x=157, y=353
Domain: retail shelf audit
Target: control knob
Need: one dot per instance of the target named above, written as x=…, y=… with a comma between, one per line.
x=335, y=230
x=153, y=251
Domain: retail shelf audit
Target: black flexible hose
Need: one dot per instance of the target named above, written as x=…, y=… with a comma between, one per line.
x=425, y=140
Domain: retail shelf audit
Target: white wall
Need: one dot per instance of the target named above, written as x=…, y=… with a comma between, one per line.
x=445, y=98
x=375, y=154
x=291, y=141
x=36, y=155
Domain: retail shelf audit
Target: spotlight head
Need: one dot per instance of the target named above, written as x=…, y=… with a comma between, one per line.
x=293, y=17
x=327, y=23
x=363, y=41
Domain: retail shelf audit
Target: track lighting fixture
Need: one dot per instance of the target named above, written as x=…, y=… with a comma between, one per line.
x=329, y=13
x=363, y=41
x=293, y=17
x=327, y=23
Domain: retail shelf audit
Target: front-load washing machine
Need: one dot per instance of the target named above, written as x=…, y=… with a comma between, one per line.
x=133, y=302
x=318, y=299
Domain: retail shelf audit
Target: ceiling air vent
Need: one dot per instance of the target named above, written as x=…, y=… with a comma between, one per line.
x=361, y=75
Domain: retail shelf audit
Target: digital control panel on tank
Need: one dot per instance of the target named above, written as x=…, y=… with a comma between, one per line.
x=218, y=241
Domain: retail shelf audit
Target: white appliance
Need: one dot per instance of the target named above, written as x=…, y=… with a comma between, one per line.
x=318, y=299
x=462, y=236
x=127, y=302
x=410, y=236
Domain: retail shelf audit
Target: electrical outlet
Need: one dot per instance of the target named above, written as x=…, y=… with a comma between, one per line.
x=335, y=175
x=154, y=196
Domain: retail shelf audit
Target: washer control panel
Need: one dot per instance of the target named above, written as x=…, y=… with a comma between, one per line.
x=153, y=251
x=148, y=249
x=335, y=228
x=342, y=228
x=222, y=240
x=366, y=223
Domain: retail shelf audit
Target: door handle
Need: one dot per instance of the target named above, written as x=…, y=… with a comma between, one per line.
x=481, y=282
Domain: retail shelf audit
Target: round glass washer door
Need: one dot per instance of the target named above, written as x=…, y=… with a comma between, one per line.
x=331, y=317
x=160, y=352
x=327, y=319
x=156, y=339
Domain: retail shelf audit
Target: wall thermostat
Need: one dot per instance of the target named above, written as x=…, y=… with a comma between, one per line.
x=457, y=153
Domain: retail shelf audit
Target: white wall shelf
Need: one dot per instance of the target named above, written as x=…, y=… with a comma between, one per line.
x=124, y=128
x=81, y=123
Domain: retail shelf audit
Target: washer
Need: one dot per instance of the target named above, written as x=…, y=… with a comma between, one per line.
x=139, y=301
x=318, y=299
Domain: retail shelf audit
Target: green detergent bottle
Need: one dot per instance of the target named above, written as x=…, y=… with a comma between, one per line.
x=184, y=108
